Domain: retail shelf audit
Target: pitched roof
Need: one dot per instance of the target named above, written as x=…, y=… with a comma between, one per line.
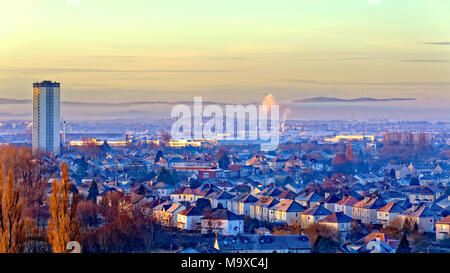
x=192, y=211
x=378, y=235
x=288, y=206
x=245, y=198
x=371, y=247
x=184, y=190
x=271, y=191
x=224, y=184
x=220, y=195
x=375, y=203
x=311, y=197
x=287, y=195
x=372, y=203
x=173, y=207
x=332, y=199
x=392, y=194
x=349, y=201
x=160, y=185
x=446, y=220
x=419, y=190
x=337, y=217
x=207, y=186
x=266, y=201
x=222, y=214
x=422, y=211
x=392, y=208
x=317, y=210
x=241, y=188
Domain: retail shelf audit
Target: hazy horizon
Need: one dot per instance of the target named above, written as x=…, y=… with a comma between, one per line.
x=230, y=52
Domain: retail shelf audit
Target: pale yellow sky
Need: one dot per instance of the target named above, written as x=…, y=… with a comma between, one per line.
x=226, y=50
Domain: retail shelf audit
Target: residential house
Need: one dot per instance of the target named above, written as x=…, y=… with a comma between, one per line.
x=240, y=204
x=309, y=200
x=443, y=201
x=338, y=222
x=183, y=194
x=363, y=246
x=443, y=229
x=376, y=246
x=286, y=211
x=421, y=216
x=330, y=202
x=167, y=214
x=225, y=184
x=240, y=189
x=393, y=196
x=260, y=209
x=366, y=209
x=420, y=194
x=287, y=195
x=190, y=219
x=161, y=189
x=221, y=197
x=313, y=215
x=205, y=190
x=400, y=171
x=388, y=213
x=222, y=222
x=345, y=205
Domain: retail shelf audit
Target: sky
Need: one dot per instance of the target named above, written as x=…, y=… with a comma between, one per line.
x=229, y=51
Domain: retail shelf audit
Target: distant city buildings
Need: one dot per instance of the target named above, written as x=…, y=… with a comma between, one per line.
x=46, y=117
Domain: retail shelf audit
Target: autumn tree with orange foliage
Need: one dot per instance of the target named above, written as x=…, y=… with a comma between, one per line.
x=63, y=226
x=12, y=221
x=316, y=230
x=30, y=172
x=349, y=152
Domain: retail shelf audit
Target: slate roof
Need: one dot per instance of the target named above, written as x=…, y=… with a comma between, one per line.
x=255, y=242
x=288, y=206
x=337, y=217
x=311, y=197
x=220, y=195
x=349, y=201
x=241, y=189
x=446, y=220
x=422, y=211
x=317, y=210
x=184, y=190
x=373, y=203
x=419, y=190
x=377, y=235
x=266, y=202
x=332, y=199
x=222, y=214
x=192, y=211
x=287, y=195
x=271, y=191
x=392, y=208
x=245, y=198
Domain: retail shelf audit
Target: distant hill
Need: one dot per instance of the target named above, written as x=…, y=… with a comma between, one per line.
x=327, y=99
